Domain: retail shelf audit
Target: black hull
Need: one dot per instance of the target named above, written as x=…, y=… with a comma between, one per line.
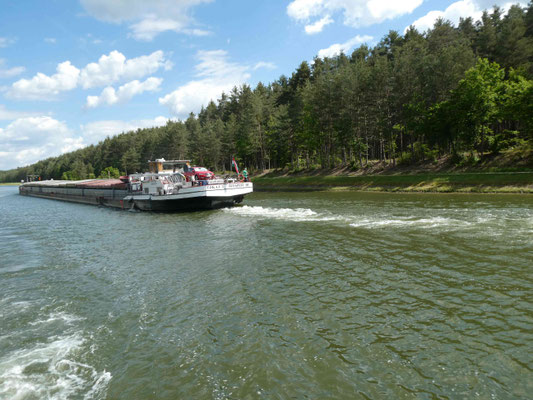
x=198, y=203
x=198, y=198
x=91, y=200
x=171, y=205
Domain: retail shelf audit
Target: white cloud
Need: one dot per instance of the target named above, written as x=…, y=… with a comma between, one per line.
x=151, y=26
x=29, y=139
x=10, y=115
x=381, y=10
x=91, y=39
x=191, y=96
x=464, y=9
x=148, y=18
x=337, y=48
x=264, y=64
x=96, y=131
x=9, y=72
x=114, y=67
x=216, y=75
x=318, y=26
x=356, y=13
x=303, y=10
x=124, y=93
x=50, y=40
x=197, y=32
x=4, y=41
x=109, y=69
x=41, y=86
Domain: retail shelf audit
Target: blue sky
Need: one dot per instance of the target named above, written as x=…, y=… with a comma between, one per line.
x=75, y=71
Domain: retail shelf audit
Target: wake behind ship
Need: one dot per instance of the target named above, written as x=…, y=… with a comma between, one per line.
x=158, y=190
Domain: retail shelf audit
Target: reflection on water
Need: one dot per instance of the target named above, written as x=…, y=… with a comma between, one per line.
x=304, y=295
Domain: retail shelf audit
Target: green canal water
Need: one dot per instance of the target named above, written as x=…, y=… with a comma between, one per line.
x=293, y=295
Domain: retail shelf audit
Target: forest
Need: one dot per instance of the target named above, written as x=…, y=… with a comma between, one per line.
x=460, y=91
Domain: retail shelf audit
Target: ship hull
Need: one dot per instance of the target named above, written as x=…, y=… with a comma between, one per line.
x=172, y=205
x=187, y=199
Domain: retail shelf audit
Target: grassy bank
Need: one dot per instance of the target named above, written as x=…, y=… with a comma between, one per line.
x=487, y=182
x=10, y=184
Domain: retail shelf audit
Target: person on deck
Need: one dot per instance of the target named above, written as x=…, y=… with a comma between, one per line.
x=245, y=175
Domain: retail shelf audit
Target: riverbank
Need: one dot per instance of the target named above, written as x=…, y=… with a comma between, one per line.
x=508, y=172
x=470, y=182
x=10, y=184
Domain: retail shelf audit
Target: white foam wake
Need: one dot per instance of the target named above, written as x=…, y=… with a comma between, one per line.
x=291, y=214
x=50, y=368
x=432, y=222
x=355, y=221
x=48, y=371
x=57, y=317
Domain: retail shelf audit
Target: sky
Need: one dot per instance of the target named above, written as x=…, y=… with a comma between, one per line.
x=73, y=72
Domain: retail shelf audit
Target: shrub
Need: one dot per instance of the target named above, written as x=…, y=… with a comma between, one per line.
x=505, y=140
x=469, y=161
x=422, y=152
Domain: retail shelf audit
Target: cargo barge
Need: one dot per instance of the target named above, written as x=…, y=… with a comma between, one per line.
x=157, y=190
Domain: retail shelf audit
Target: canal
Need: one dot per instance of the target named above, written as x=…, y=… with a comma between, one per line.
x=291, y=295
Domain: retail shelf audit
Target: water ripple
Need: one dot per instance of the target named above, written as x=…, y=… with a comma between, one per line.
x=321, y=295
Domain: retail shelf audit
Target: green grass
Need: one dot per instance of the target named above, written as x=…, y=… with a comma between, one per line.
x=10, y=184
x=502, y=182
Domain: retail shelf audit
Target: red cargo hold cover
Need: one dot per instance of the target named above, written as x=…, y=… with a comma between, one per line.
x=103, y=184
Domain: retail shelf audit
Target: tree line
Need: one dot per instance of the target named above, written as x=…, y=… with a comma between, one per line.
x=452, y=90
